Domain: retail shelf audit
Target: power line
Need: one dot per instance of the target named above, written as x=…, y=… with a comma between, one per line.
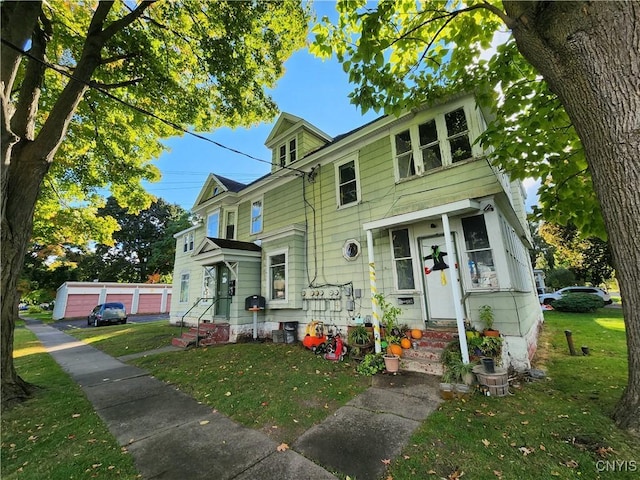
x=140, y=109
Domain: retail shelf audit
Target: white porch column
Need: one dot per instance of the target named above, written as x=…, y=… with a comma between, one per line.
x=455, y=289
x=375, y=308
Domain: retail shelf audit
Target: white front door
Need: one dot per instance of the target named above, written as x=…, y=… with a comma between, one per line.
x=439, y=269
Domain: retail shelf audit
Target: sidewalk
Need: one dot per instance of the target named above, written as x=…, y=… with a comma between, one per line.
x=172, y=436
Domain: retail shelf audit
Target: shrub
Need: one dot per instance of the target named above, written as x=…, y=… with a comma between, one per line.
x=578, y=303
x=371, y=364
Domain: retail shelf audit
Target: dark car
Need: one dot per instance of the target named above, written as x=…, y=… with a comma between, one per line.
x=112, y=312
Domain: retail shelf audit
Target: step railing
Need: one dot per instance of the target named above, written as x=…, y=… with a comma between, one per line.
x=214, y=302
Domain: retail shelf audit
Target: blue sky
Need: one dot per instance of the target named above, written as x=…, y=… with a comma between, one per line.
x=310, y=88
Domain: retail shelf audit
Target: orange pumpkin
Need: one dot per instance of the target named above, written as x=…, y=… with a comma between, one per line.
x=416, y=333
x=395, y=349
x=405, y=343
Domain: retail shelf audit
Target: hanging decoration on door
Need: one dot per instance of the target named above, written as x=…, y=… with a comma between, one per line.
x=438, y=263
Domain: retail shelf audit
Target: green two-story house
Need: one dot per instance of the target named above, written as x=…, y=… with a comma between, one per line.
x=406, y=206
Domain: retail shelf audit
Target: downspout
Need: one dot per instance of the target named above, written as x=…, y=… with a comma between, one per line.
x=455, y=290
x=375, y=309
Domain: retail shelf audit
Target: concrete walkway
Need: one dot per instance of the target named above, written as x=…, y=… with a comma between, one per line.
x=172, y=436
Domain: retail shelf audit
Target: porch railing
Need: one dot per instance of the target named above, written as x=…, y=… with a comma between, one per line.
x=197, y=302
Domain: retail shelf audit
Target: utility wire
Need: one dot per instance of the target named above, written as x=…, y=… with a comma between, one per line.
x=140, y=109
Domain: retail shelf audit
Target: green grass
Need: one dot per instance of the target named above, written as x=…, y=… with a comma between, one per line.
x=554, y=428
x=56, y=434
x=279, y=389
x=119, y=340
x=558, y=427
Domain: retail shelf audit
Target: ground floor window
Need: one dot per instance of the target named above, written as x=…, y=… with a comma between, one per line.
x=184, y=288
x=402, y=259
x=278, y=276
x=482, y=270
x=208, y=283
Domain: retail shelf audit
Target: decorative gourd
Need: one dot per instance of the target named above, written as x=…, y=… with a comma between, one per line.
x=405, y=343
x=395, y=349
x=416, y=333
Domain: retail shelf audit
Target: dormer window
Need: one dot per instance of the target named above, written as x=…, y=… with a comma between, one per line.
x=292, y=151
x=288, y=152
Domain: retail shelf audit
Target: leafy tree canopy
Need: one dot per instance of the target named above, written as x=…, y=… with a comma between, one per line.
x=198, y=65
x=400, y=56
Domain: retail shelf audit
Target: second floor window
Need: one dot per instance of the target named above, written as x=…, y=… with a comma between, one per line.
x=439, y=141
x=347, y=183
x=256, y=217
x=187, y=242
x=213, y=225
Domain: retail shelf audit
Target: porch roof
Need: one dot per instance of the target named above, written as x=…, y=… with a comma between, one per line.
x=214, y=250
x=454, y=208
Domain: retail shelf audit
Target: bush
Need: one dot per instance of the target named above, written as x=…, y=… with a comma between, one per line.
x=578, y=302
x=371, y=364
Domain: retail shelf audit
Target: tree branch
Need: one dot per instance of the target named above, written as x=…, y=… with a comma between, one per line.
x=18, y=22
x=106, y=86
x=55, y=128
x=24, y=119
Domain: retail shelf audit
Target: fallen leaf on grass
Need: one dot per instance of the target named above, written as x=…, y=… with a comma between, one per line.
x=526, y=451
x=526, y=422
x=543, y=448
x=486, y=442
x=455, y=475
x=571, y=464
x=497, y=473
x=75, y=415
x=228, y=394
x=282, y=447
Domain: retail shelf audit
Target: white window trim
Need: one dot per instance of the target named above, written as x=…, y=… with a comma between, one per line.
x=261, y=200
x=414, y=255
x=235, y=230
x=443, y=140
x=351, y=158
x=287, y=145
x=188, y=276
x=495, y=245
x=204, y=276
x=285, y=300
x=209, y=215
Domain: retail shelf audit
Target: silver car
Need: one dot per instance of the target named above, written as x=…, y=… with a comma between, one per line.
x=547, y=298
x=112, y=312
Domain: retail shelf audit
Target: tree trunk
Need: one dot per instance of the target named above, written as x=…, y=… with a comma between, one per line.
x=19, y=199
x=589, y=54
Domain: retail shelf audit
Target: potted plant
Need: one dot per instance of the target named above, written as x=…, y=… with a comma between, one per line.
x=390, y=314
x=487, y=318
x=491, y=349
x=359, y=340
x=457, y=375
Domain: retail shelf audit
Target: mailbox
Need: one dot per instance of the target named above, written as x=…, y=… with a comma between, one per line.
x=254, y=302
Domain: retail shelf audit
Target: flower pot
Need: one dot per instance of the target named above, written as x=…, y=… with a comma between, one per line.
x=391, y=362
x=446, y=391
x=491, y=333
x=489, y=364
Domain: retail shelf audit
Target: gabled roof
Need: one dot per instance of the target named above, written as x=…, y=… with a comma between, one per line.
x=287, y=123
x=224, y=184
x=214, y=250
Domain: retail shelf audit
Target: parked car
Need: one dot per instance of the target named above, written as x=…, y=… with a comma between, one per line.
x=112, y=312
x=547, y=298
